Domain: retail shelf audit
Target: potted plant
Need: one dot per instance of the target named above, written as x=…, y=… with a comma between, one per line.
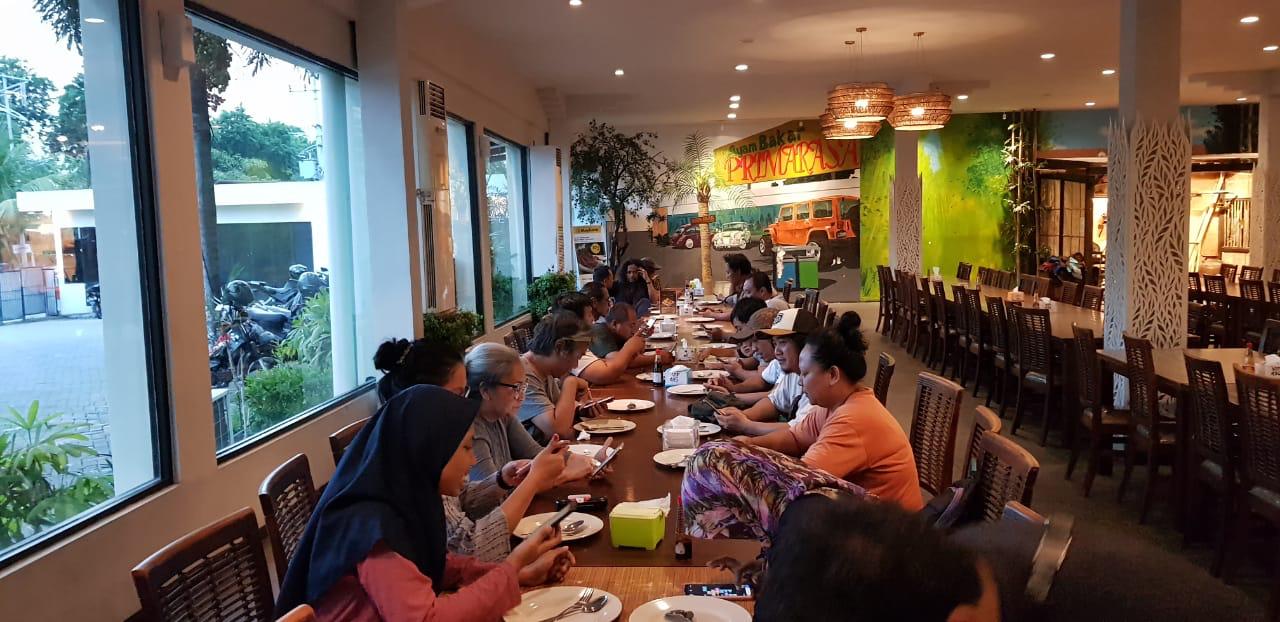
x=452, y=326
x=544, y=290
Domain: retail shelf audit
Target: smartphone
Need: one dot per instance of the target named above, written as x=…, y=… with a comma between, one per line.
x=727, y=591
x=568, y=508
x=614, y=454
x=595, y=504
x=589, y=404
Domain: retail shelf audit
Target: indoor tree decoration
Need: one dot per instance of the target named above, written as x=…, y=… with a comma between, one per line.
x=695, y=175
x=614, y=174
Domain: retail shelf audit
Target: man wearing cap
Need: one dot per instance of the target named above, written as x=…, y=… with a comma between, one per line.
x=752, y=385
x=786, y=403
x=551, y=393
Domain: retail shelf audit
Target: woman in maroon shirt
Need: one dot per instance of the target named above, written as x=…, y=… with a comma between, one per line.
x=375, y=549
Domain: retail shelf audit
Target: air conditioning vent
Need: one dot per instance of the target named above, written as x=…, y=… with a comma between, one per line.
x=558, y=156
x=435, y=100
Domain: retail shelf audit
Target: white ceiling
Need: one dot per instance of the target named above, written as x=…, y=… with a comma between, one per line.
x=679, y=54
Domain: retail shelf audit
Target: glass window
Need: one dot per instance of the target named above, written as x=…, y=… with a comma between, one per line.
x=504, y=175
x=849, y=208
x=461, y=202
x=822, y=209
x=786, y=213
x=802, y=211
x=274, y=195
x=75, y=433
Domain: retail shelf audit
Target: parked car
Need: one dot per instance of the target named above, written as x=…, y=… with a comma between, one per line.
x=828, y=223
x=732, y=235
x=686, y=237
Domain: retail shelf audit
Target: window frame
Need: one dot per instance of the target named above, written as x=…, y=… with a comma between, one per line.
x=473, y=188
x=146, y=220
x=524, y=209
x=276, y=46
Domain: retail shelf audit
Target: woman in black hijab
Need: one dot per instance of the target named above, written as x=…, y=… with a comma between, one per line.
x=375, y=545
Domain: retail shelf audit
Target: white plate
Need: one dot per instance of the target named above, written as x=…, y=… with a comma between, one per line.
x=704, y=608
x=646, y=376
x=591, y=525
x=701, y=334
x=548, y=601
x=673, y=458
x=617, y=426
x=665, y=316
x=704, y=429
x=631, y=406
x=688, y=389
x=699, y=320
x=707, y=374
x=588, y=450
x=662, y=336
x=720, y=346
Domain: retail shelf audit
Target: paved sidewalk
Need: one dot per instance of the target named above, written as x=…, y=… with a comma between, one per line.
x=58, y=361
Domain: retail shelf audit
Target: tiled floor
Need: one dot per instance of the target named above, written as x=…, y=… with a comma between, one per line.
x=1053, y=493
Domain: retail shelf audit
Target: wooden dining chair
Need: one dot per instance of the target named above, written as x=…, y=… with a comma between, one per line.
x=1215, y=284
x=1103, y=426
x=339, y=440
x=1070, y=293
x=1193, y=282
x=980, y=344
x=1035, y=370
x=984, y=275
x=1270, y=341
x=882, y=314
x=786, y=290
x=985, y=421
x=1001, y=361
x=1006, y=472
x=1197, y=325
x=301, y=613
x=884, y=375
x=1149, y=433
x=921, y=318
x=218, y=572
x=1254, y=310
x=1091, y=297
x=1214, y=450
x=961, y=323
x=288, y=496
x=1273, y=292
x=948, y=347
x=1252, y=273
x=1044, y=287
x=1027, y=284
x=964, y=271
x=510, y=341
x=1275, y=275
x=1228, y=272
x=933, y=430
x=1259, y=458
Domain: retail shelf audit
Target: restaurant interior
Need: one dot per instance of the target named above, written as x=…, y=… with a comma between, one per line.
x=589, y=310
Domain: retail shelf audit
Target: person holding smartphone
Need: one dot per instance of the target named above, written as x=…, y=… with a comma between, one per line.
x=551, y=392
x=738, y=271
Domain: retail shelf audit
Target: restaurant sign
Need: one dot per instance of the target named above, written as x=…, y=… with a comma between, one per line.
x=793, y=149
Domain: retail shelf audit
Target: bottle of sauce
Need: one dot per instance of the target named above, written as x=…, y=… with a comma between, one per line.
x=684, y=544
x=657, y=368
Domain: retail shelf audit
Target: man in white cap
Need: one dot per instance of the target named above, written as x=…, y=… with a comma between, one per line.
x=786, y=403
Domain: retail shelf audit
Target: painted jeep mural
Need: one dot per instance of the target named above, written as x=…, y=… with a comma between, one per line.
x=829, y=223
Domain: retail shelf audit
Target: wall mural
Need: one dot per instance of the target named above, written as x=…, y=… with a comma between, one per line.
x=792, y=150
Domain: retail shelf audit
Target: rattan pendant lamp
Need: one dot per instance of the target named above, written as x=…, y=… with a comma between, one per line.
x=859, y=102
x=835, y=130
x=917, y=112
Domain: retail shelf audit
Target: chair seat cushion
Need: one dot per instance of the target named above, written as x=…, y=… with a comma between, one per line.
x=1038, y=379
x=1115, y=419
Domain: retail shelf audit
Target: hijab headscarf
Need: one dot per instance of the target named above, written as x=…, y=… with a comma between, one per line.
x=386, y=488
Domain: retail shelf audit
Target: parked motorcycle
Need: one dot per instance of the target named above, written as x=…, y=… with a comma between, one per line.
x=93, y=298
x=244, y=345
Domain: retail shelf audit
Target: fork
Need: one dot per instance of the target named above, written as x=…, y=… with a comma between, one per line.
x=583, y=599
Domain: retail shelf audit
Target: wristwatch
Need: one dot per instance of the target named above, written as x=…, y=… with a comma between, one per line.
x=1052, y=551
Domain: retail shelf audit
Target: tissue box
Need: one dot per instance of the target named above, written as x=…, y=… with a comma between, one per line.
x=677, y=375
x=636, y=526
x=1270, y=367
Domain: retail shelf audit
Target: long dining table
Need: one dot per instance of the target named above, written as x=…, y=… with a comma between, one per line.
x=1061, y=315
x=636, y=477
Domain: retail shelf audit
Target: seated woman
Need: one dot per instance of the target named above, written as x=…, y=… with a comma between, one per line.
x=375, y=546
x=636, y=284
x=851, y=435
x=550, y=391
x=481, y=518
x=787, y=405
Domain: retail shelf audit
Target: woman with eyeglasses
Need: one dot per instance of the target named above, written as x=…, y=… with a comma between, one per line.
x=480, y=519
x=497, y=377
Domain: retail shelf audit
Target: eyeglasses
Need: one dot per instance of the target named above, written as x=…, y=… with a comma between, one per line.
x=518, y=388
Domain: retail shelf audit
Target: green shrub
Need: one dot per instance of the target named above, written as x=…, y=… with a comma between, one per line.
x=38, y=487
x=544, y=290
x=453, y=327
x=273, y=395
x=311, y=339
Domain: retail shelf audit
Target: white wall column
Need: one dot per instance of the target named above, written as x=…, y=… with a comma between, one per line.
x=1149, y=165
x=337, y=185
x=1264, y=213
x=906, y=211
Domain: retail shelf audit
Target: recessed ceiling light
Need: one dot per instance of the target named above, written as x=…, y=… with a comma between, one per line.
x=735, y=98
x=575, y=2
x=734, y=106
x=1249, y=19
x=1108, y=72
x=1091, y=104
x=1047, y=56
x=962, y=97
x=741, y=67
x=98, y=127
x=731, y=115
x=94, y=20
x=619, y=72
x=1242, y=99
x=1271, y=48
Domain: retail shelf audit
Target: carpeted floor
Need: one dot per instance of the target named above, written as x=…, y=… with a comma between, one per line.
x=1101, y=515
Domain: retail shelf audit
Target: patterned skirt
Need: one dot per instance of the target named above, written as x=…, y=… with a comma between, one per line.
x=731, y=490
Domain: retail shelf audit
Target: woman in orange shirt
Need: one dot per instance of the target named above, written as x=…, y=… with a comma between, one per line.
x=375, y=549
x=851, y=436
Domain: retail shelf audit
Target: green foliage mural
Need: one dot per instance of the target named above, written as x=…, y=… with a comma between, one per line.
x=876, y=156
x=964, y=178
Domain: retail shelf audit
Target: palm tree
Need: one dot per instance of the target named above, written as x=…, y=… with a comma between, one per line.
x=695, y=175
